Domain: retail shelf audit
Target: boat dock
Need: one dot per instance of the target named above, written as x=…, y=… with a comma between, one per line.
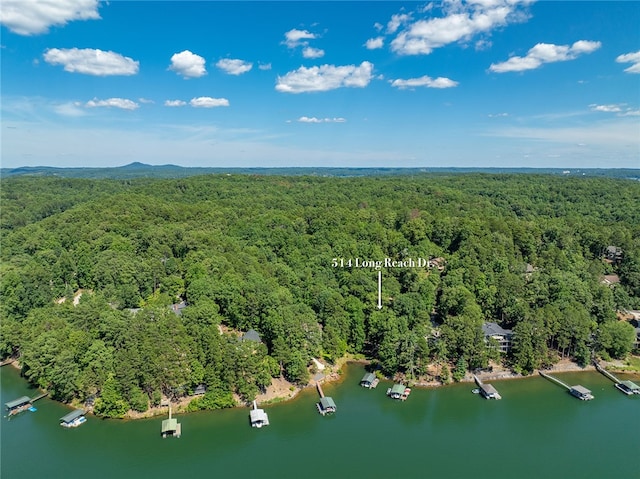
x=487, y=390
x=7, y=361
x=21, y=404
x=171, y=427
x=399, y=391
x=258, y=417
x=578, y=391
x=73, y=419
x=627, y=387
x=326, y=405
x=369, y=381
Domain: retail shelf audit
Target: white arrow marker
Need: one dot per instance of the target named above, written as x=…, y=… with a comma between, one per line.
x=379, y=289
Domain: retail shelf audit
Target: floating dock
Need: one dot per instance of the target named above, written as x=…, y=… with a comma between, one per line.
x=258, y=417
x=627, y=387
x=487, y=390
x=399, y=391
x=21, y=404
x=326, y=405
x=369, y=381
x=577, y=391
x=73, y=419
x=171, y=427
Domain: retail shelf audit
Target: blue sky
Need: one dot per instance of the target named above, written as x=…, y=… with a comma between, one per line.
x=487, y=83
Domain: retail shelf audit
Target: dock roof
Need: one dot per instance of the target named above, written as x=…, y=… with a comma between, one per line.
x=327, y=402
x=368, y=378
x=631, y=385
x=18, y=402
x=398, y=389
x=488, y=389
x=580, y=389
x=72, y=415
x=258, y=415
x=169, y=425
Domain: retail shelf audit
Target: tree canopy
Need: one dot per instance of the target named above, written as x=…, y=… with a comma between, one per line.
x=257, y=252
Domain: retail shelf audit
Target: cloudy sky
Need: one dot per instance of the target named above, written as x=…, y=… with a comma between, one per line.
x=502, y=83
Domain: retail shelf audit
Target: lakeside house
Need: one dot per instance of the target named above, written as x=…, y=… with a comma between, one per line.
x=503, y=337
x=613, y=254
x=73, y=419
x=200, y=390
x=610, y=280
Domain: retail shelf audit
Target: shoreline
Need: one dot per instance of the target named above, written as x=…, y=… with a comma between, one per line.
x=283, y=391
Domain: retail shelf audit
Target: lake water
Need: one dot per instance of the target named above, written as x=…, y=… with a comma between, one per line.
x=536, y=431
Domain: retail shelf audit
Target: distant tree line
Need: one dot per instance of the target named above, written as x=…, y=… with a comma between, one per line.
x=255, y=252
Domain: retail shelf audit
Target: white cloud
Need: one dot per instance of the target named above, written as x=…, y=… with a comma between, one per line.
x=325, y=77
x=264, y=66
x=633, y=58
x=234, y=66
x=145, y=100
x=606, y=108
x=188, y=64
x=122, y=103
x=424, y=81
x=461, y=22
x=545, y=53
x=310, y=52
x=174, y=103
x=71, y=109
x=313, y=119
x=498, y=115
x=208, y=102
x=374, y=43
x=32, y=17
x=630, y=112
x=396, y=21
x=294, y=37
x=91, y=62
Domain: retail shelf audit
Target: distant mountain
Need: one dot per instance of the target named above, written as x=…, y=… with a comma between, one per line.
x=141, y=170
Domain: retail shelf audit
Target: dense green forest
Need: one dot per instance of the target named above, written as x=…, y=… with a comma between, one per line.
x=257, y=252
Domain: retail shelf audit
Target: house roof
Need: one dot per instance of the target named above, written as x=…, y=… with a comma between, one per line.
x=18, y=402
x=494, y=329
x=327, y=402
x=251, y=335
x=72, y=415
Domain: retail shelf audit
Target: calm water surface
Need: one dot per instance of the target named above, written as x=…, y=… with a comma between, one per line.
x=537, y=431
